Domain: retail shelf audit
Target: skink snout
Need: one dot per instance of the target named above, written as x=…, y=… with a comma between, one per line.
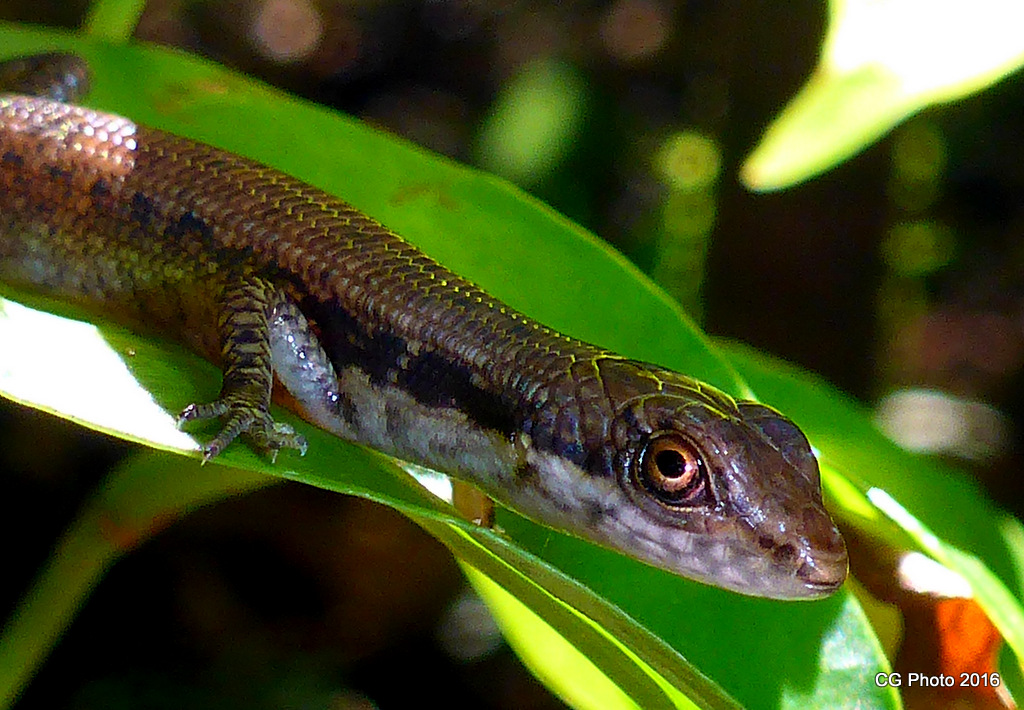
x=825, y=561
x=822, y=574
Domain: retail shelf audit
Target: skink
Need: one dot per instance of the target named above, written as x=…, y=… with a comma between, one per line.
x=276, y=280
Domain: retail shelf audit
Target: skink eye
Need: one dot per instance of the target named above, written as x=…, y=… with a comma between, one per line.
x=673, y=471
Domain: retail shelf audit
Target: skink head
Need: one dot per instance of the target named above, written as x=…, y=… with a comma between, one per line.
x=690, y=481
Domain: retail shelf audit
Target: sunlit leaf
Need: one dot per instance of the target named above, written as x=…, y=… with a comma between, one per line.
x=882, y=61
x=656, y=638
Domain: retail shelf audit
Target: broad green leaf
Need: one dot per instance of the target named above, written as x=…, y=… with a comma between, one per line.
x=910, y=493
x=490, y=231
x=568, y=672
x=655, y=637
x=881, y=62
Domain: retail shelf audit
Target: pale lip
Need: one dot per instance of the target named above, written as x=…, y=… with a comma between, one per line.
x=824, y=572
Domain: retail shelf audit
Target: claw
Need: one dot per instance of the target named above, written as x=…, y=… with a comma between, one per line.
x=266, y=435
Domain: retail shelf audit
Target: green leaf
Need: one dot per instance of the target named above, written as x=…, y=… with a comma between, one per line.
x=906, y=498
x=661, y=641
x=881, y=62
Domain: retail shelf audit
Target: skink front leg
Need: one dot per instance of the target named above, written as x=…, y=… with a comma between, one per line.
x=244, y=401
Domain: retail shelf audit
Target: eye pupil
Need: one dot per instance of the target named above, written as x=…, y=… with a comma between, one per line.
x=670, y=463
x=672, y=470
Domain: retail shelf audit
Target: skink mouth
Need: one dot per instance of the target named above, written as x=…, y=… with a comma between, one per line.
x=824, y=573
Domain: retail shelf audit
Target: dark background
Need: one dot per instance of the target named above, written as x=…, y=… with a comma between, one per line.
x=239, y=607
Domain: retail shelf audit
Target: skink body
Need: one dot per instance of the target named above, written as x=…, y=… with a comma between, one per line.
x=275, y=279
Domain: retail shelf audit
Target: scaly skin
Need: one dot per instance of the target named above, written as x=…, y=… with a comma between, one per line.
x=381, y=345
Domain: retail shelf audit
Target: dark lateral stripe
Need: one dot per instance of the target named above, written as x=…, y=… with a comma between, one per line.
x=431, y=379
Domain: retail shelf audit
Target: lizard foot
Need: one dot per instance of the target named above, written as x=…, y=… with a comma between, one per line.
x=243, y=418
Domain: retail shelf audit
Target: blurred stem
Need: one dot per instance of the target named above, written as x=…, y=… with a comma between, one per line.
x=113, y=20
x=137, y=500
